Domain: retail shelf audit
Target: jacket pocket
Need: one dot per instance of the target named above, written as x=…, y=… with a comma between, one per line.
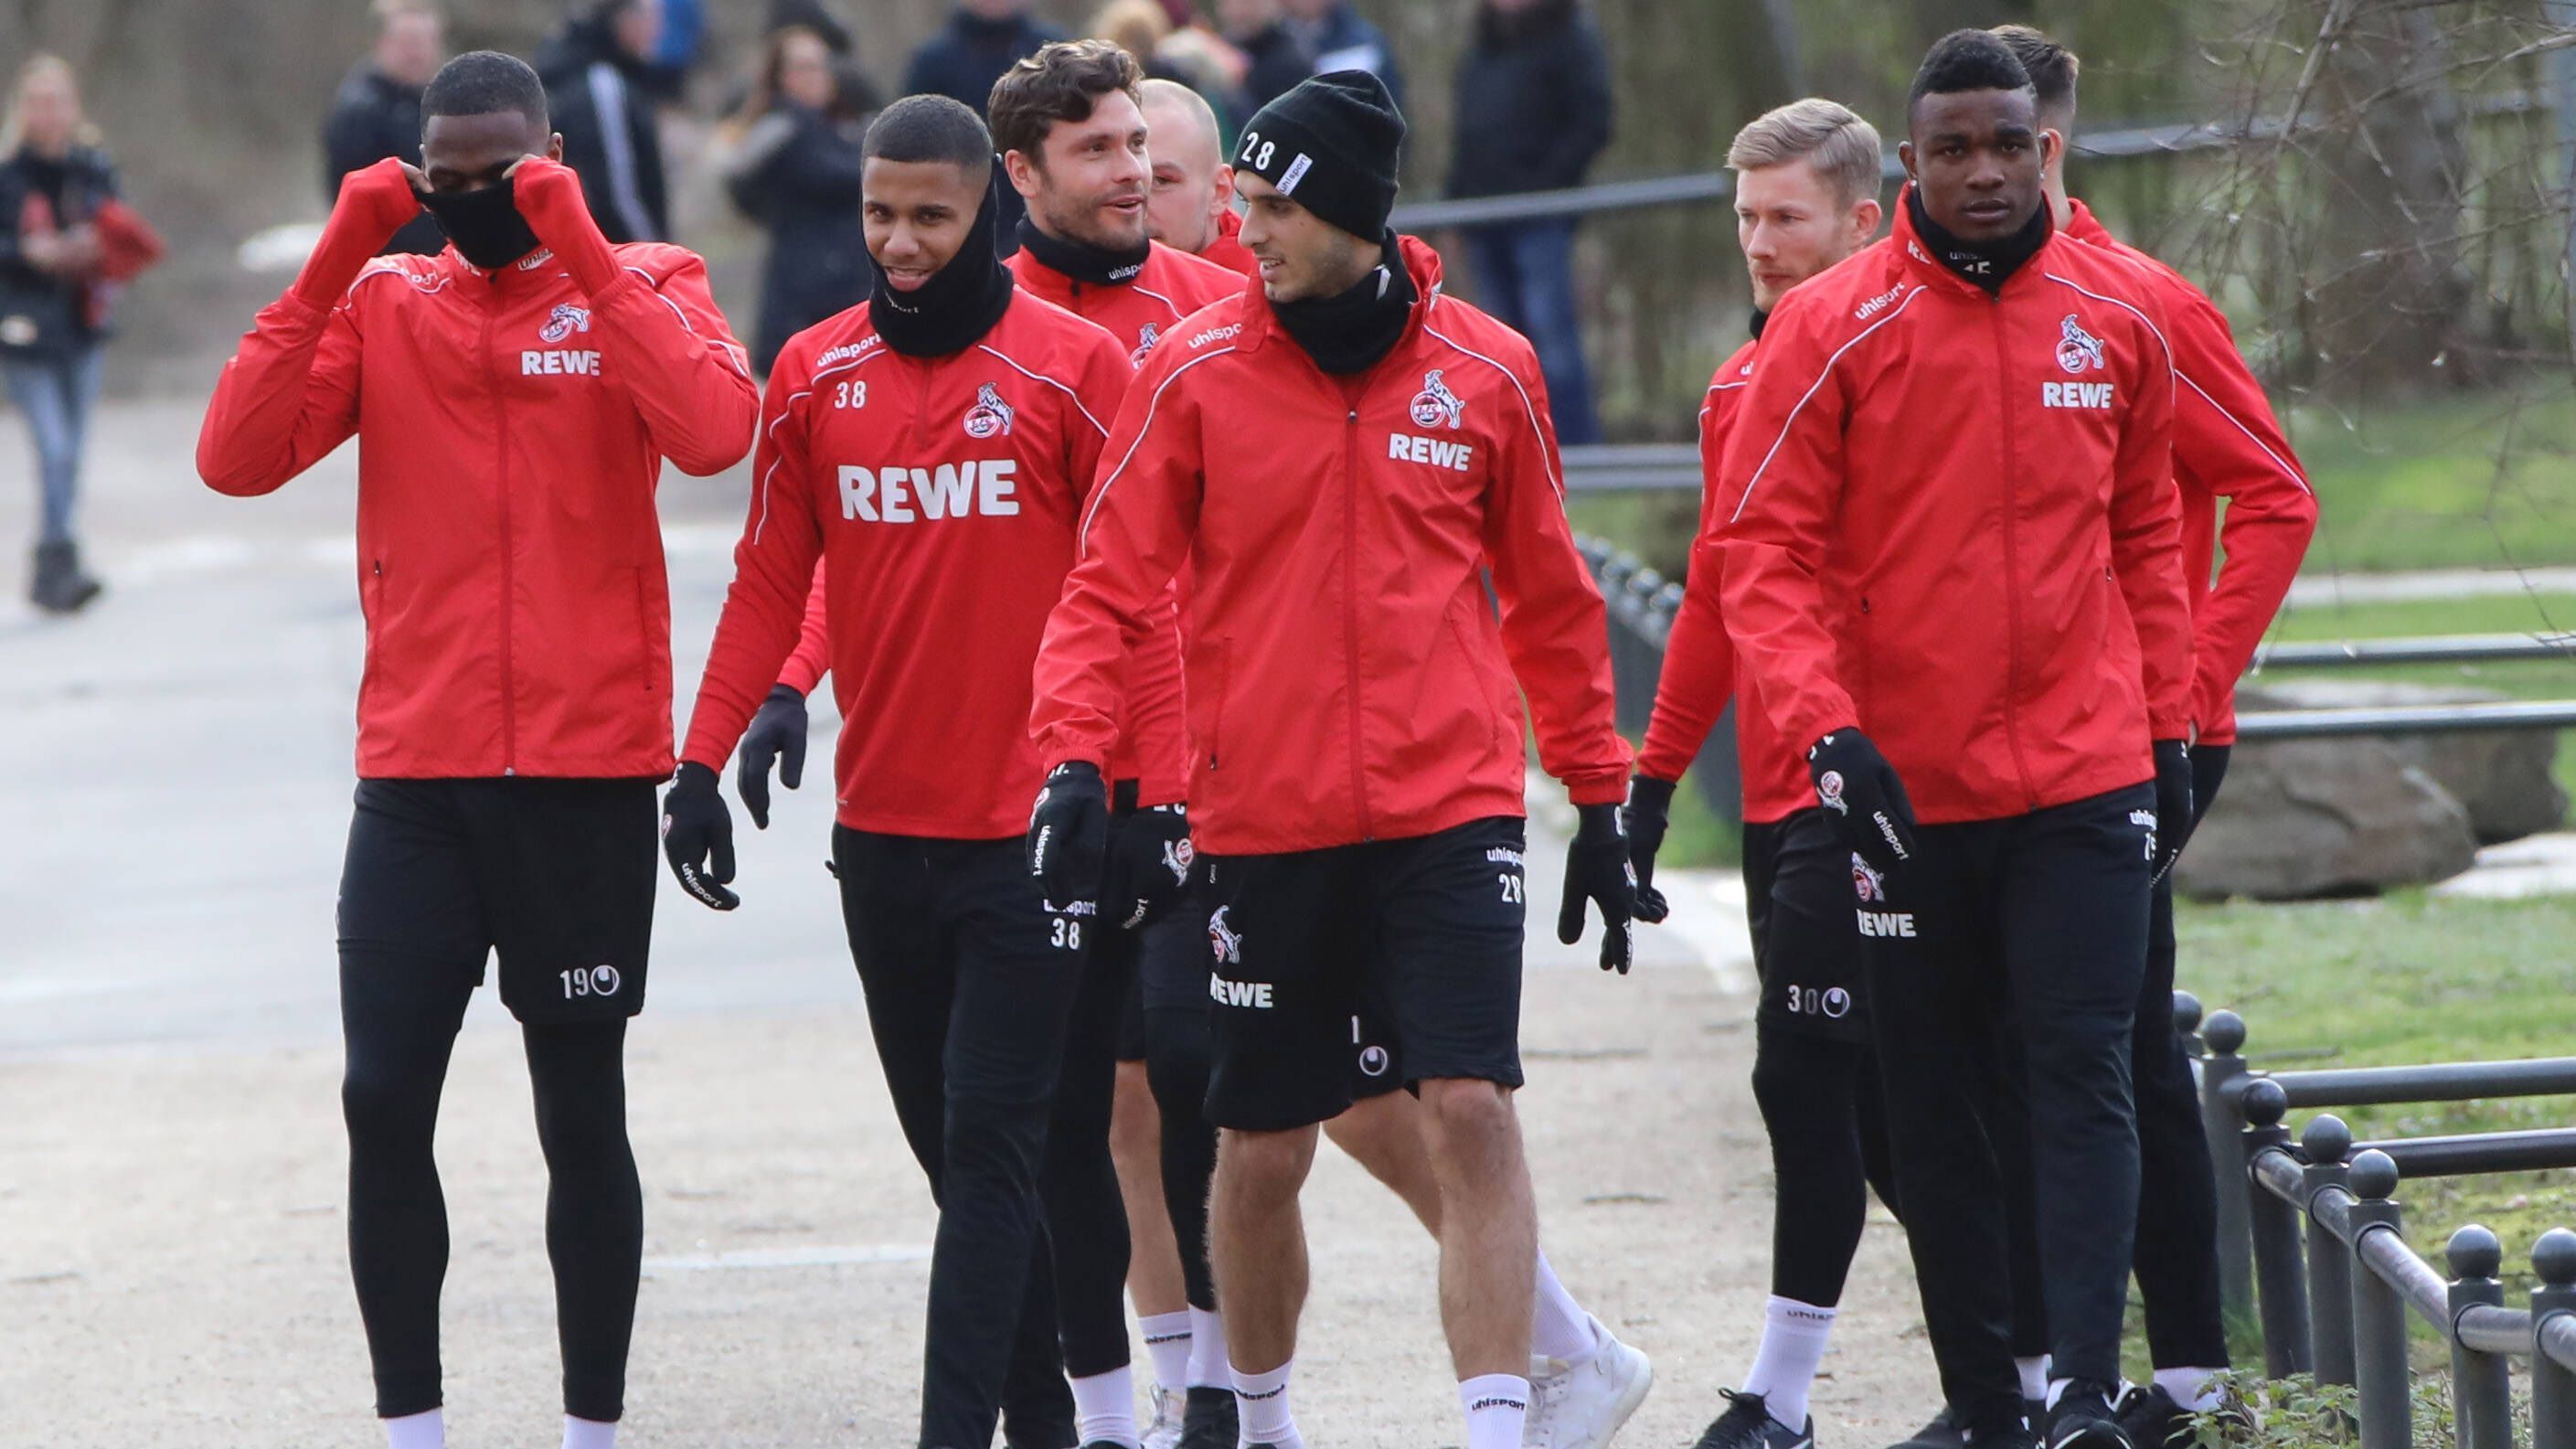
x=652, y=646
x=1498, y=699
x=1212, y=738
x=371, y=608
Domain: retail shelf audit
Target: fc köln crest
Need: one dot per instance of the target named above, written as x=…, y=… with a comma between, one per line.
x=1436, y=406
x=567, y=320
x=989, y=415
x=2078, y=349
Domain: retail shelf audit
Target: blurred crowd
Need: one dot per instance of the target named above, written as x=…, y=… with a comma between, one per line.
x=1532, y=112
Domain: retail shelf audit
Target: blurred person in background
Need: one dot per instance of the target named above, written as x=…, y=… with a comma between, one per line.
x=1273, y=62
x=676, y=49
x=1533, y=112
x=65, y=243
x=594, y=69
x=1191, y=204
x=1332, y=36
x=1134, y=26
x=376, y=113
x=1169, y=44
x=791, y=162
x=980, y=41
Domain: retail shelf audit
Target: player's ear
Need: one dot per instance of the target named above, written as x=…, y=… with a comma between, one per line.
x=554, y=147
x=1865, y=218
x=1225, y=185
x=1905, y=155
x=1021, y=171
x=2051, y=145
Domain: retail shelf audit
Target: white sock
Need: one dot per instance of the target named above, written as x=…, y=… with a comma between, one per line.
x=1497, y=1405
x=2195, y=1389
x=588, y=1434
x=1559, y=1328
x=1167, y=1342
x=1104, y=1408
x=1794, y=1335
x=1261, y=1403
x=417, y=1431
x=1208, y=1368
x=2035, y=1382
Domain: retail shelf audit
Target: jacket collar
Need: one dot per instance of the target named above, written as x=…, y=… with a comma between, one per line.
x=1261, y=324
x=535, y=270
x=2084, y=226
x=1918, y=253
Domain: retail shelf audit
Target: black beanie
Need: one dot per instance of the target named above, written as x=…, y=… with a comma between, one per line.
x=1330, y=145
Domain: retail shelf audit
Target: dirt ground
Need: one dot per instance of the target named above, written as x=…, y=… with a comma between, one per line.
x=172, y=1263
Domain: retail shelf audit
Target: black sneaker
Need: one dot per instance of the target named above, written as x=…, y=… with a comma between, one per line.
x=1747, y=1424
x=1941, y=1433
x=1207, y=1421
x=2084, y=1419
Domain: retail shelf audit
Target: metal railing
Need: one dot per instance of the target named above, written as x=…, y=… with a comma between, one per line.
x=2312, y=1240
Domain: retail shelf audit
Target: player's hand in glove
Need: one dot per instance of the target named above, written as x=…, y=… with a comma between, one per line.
x=1857, y=784
x=1069, y=833
x=2173, y=802
x=549, y=198
x=777, y=734
x=697, y=836
x=1149, y=863
x=374, y=203
x=1597, y=870
x=1647, y=815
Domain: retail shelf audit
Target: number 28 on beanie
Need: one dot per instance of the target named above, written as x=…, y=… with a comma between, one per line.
x=1330, y=145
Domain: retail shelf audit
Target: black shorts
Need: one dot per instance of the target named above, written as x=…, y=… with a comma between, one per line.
x=1799, y=880
x=556, y=876
x=1309, y=945
x=1173, y=975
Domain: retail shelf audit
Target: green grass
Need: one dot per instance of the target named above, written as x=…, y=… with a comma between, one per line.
x=2475, y=480
x=2407, y=979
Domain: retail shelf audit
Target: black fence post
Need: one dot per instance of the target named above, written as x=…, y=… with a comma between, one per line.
x=2553, y=1384
x=2221, y=1075
x=2282, y=1287
x=2379, y=1313
x=2324, y=1144
x=2481, y=1388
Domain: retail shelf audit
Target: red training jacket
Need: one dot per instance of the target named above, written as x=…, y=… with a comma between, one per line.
x=941, y=496
x=510, y=432
x=1347, y=680
x=1699, y=660
x=1228, y=250
x=1951, y=523
x=2227, y=444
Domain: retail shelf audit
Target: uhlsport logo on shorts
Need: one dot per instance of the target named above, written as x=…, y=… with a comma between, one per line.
x=2078, y=350
x=1375, y=1060
x=990, y=414
x=1436, y=406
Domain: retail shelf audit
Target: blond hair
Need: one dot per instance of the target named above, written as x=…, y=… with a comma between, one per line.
x=1825, y=134
x=1134, y=26
x=13, y=132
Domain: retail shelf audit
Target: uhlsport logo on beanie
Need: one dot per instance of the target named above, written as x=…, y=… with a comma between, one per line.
x=1330, y=145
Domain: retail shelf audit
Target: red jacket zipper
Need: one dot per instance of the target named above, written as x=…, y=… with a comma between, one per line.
x=2012, y=560
x=501, y=480
x=1351, y=606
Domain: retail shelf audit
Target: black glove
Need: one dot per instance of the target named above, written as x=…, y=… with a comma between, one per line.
x=1069, y=833
x=777, y=733
x=2173, y=803
x=1149, y=863
x=1597, y=870
x=1856, y=783
x=1648, y=815
x=697, y=836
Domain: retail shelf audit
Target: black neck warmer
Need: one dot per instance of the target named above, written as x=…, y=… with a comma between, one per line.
x=958, y=305
x=1755, y=326
x=1988, y=264
x=484, y=223
x=1349, y=332
x=1085, y=263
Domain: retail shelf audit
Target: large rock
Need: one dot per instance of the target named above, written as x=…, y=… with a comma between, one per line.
x=2306, y=818
x=2506, y=779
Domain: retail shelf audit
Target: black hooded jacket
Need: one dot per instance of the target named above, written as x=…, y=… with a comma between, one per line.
x=596, y=93
x=1533, y=101
x=373, y=117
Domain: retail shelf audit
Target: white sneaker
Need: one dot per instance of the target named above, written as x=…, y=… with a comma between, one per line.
x=1580, y=1406
x=1164, y=1431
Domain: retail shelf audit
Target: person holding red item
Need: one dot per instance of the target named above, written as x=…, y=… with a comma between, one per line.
x=2227, y=445
x=1951, y=568
x=514, y=398
x=1364, y=834
x=932, y=449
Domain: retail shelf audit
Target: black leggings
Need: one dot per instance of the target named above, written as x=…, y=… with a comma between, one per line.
x=398, y=1032
x=1177, y=1055
x=1085, y=1212
x=1814, y=1091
